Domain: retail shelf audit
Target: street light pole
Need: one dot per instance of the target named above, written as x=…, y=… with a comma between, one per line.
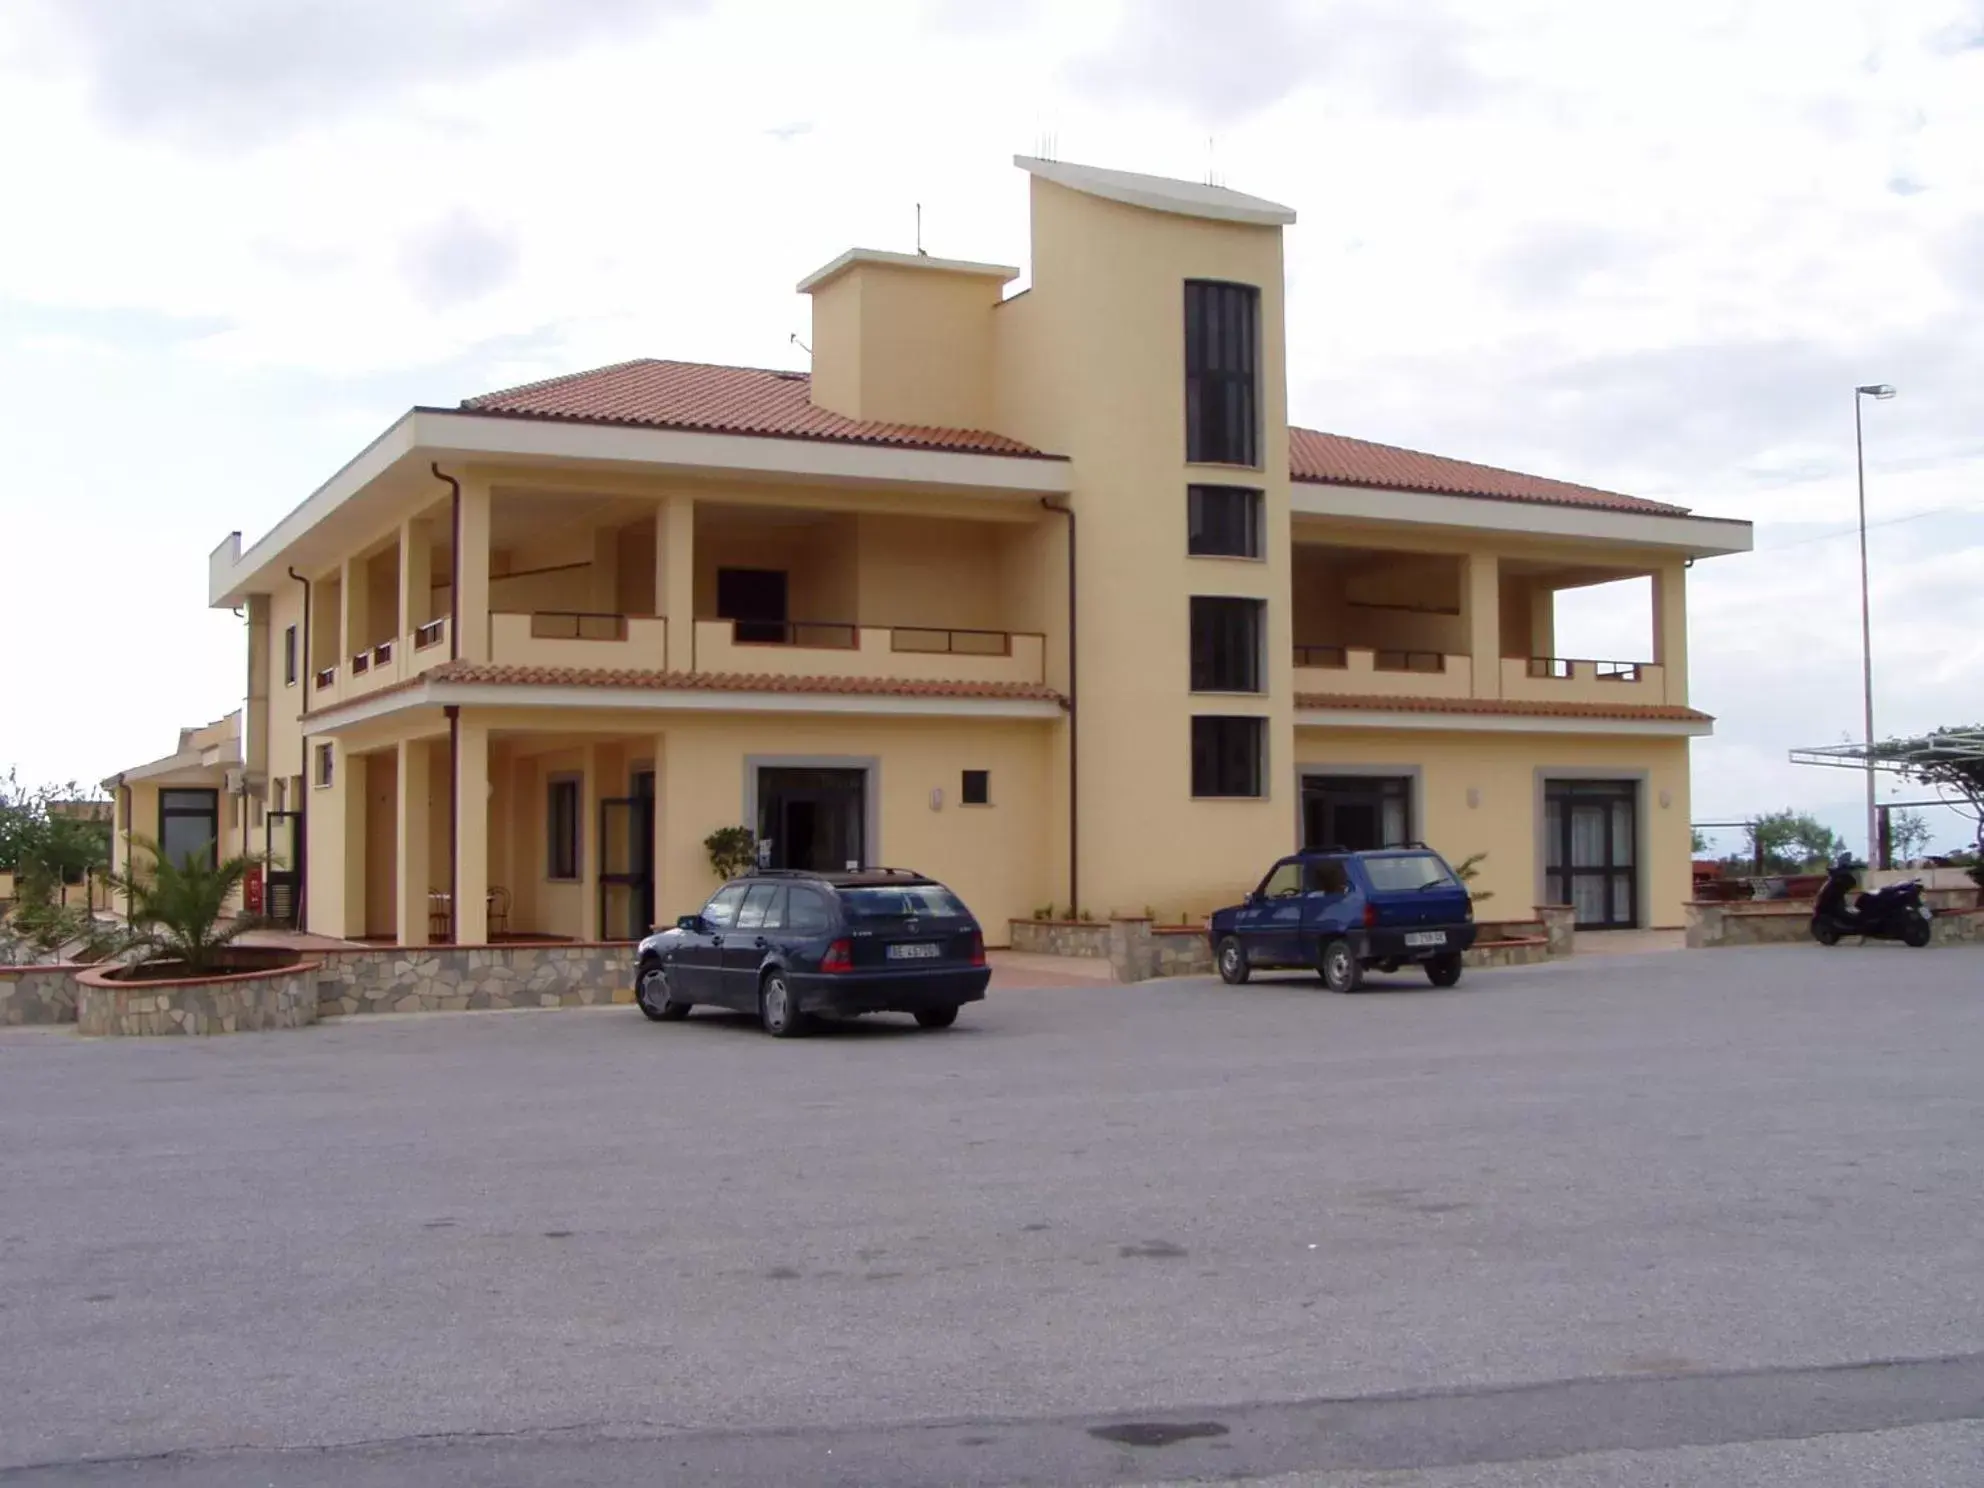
x=1883, y=391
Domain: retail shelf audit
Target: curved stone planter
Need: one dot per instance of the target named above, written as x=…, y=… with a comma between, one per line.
x=230, y=1002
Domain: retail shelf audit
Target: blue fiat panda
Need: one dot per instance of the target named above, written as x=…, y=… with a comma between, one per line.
x=1340, y=913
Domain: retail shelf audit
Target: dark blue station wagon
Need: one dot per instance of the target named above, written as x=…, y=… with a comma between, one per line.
x=1340, y=913
x=789, y=945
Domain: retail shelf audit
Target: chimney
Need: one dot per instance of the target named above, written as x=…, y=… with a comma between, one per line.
x=903, y=338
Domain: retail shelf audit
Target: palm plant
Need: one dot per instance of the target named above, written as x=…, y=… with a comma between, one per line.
x=179, y=907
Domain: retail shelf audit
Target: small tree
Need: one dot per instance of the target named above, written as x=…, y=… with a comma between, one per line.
x=1697, y=841
x=35, y=829
x=1793, y=842
x=179, y=908
x=1908, y=834
x=40, y=926
x=732, y=850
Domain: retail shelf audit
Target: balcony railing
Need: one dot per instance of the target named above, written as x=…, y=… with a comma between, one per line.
x=839, y=648
x=1567, y=679
x=1381, y=671
x=326, y=677
x=578, y=638
x=577, y=625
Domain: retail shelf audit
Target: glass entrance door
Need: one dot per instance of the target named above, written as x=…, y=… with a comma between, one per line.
x=626, y=862
x=1591, y=837
x=1358, y=812
x=812, y=819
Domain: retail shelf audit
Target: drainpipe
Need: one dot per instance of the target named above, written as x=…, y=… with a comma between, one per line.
x=1074, y=723
x=125, y=791
x=454, y=791
x=455, y=561
x=303, y=675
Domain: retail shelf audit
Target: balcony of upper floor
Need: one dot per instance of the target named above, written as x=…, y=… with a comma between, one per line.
x=693, y=585
x=1379, y=623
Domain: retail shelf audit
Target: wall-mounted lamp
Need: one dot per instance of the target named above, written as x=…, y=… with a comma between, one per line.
x=1473, y=797
x=1666, y=799
x=937, y=799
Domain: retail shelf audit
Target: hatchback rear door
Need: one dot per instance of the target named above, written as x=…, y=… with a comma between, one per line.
x=1409, y=889
x=897, y=926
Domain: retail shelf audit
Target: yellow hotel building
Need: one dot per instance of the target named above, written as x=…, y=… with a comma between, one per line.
x=1039, y=593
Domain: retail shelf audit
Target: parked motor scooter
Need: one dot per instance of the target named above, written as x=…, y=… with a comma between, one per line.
x=1893, y=913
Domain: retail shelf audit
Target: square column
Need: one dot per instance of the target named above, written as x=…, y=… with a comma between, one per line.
x=590, y=845
x=326, y=624
x=355, y=588
x=1670, y=629
x=416, y=579
x=472, y=571
x=349, y=810
x=471, y=904
x=414, y=869
x=1481, y=604
x=675, y=578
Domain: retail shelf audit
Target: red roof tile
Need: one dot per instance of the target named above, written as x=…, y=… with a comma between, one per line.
x=1503, y=707
x=750, y=400
x=719, y=400
x=1333, y=459
x=493, y=674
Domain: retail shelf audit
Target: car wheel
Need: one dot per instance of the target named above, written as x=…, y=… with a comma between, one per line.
x=1233, y=967
x=1915, y=932
x=1338, y=968
x=1444, y=971
x=939, y=1017
x=1824, y=931
x=651, y=993
x=778, y=1009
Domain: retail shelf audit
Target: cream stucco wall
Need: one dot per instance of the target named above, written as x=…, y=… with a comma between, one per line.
x=906, y=344
x=1091, y=363
x=1505, y=772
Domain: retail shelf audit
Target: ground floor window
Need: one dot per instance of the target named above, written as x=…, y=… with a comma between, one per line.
x=1226, y=756
x=561, y=827
x=189, y=825
x=1591, y=832
x=1358, y=812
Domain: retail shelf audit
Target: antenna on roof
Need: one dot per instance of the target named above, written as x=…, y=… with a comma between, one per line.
x=919, y=231
x=794, y=339
x=1212, y=160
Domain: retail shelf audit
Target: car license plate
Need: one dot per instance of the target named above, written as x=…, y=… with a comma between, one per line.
x=1425, y=937
x=922, y=951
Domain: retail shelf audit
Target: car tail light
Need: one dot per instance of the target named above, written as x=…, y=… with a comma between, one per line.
x=1370, y=916
x=839, y=957
x=977, y=948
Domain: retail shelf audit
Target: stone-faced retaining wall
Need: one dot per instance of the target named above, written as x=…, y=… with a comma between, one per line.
x=1085, y=938
x=239, y=1002
x=435, y=979
x=38, y=994
x=1713, y=925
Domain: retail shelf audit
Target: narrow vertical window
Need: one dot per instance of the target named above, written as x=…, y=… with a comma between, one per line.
x=1227, y=756
x=1222, y=356
x=1226, y=644
x=289, y=657
x=1222, y=522
x=561, y=828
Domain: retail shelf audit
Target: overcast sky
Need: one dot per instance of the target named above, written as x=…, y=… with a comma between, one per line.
x=1652, y=248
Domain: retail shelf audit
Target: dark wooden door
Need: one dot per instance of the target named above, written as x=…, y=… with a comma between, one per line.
x=754, y=599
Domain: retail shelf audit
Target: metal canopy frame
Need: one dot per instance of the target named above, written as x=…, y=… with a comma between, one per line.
x=1900, y=756
x=1907, y=757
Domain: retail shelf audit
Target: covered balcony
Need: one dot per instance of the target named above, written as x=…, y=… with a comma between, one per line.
x=1376, y=622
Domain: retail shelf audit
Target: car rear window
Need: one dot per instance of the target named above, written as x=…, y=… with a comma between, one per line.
x=1401, y=873
x=900, y=901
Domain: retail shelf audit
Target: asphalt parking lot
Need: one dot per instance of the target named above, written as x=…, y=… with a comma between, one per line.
x=1584, y=1221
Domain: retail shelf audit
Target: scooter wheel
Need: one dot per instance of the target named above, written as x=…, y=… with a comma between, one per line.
x=1915, y=933
x=1825, y=932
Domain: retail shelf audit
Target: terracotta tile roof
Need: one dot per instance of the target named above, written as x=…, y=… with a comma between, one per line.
x=493, y=674
x=1334, y=460
x=751, y=400
x=1502, y=707
x=720, y=400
